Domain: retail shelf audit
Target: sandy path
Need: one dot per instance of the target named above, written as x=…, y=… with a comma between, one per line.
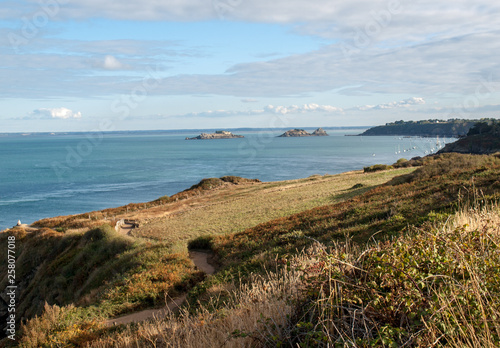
x=200, y=259
x=126, y=229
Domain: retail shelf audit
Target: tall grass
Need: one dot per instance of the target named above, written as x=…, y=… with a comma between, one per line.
x=438, y=286
x=432, y=287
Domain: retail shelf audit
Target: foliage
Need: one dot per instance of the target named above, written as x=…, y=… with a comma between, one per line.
x=377, y=167
x=491, y=126
x=437, y=287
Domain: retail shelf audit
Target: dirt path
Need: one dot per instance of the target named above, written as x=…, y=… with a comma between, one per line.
x=126, y=228
x=200, y=259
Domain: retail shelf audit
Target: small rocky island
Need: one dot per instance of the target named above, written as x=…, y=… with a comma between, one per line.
x=302, y=133
x=216, y=135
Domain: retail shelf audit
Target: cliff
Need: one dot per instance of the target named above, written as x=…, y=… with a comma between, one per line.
x=216, y=135
x=302, y=133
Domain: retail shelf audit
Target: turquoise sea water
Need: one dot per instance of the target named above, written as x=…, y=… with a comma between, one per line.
x=44, y=176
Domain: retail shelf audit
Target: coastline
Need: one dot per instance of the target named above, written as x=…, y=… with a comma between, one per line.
x=198, y=196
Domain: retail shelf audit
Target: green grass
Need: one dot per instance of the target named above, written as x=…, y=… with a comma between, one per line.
x=245, y=207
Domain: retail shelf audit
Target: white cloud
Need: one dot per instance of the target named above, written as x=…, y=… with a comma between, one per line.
x=54, y=113
x=392, y=105
x=111, y=63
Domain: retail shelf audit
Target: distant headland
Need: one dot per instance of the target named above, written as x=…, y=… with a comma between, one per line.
x=216, y=135
x=425, y=128
x=302, y=133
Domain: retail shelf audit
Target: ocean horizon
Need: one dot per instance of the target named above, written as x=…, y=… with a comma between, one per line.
x=45, y=175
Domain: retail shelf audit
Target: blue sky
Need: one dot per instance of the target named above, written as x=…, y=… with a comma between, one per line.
x=74, y=65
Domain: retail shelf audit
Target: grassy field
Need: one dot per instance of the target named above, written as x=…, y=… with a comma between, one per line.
x=357, y=259
x=236, y=208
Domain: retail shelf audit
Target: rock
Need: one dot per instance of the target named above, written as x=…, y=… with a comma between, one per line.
x=302, y=133
x=216, y=135
x=320, y=132
x=295, y=133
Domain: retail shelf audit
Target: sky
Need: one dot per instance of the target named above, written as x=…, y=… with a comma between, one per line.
x=94, y=65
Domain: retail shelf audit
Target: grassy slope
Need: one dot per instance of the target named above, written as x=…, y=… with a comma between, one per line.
x=244, y=203
x=427, y=195
x=105, y=273
x=240, y=207
x=436, y=286
x=384, y=294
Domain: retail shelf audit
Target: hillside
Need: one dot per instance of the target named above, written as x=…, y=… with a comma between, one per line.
x=82, y=260
x=482, y=138
x=428, y=128
x=357, y=257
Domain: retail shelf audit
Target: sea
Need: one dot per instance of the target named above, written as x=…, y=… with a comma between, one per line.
x=46, y=175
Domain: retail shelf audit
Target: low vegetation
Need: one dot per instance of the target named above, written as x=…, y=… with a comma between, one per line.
x=412, y=262
x=436, y=286
x=377, y=168
x=97, y=274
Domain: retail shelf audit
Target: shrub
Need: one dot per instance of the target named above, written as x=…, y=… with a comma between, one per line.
x=377, y=167
x=402, y=163
x=104, y=232
x=434, y=287
x=202, y=242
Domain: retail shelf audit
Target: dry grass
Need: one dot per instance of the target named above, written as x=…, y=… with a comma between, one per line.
x=239, y=207
x=253, y=313
x=385, y=295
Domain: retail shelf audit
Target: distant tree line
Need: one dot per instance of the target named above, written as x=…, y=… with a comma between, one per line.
x=489, y=126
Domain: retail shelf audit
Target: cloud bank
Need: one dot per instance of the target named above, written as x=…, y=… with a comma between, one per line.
x=311, y=108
